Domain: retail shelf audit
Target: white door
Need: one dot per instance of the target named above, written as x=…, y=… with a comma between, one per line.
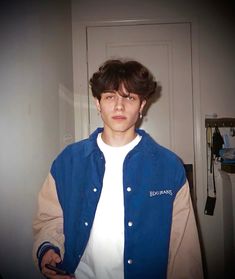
x=166, y=50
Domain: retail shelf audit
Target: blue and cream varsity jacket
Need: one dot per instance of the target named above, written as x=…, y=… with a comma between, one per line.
x=154, y=174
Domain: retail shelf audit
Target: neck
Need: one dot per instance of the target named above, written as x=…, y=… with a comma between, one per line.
x=117, y=138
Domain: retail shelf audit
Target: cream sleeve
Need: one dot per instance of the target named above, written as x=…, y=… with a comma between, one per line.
x=184, y=254
x=48, y=222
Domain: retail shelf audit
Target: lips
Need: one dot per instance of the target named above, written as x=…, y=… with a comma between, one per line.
x=119, y=117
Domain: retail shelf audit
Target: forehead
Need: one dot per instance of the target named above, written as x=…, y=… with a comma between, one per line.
x=121, y=90
x=116, y=88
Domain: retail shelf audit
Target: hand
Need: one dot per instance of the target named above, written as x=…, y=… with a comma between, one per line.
x=52, y=258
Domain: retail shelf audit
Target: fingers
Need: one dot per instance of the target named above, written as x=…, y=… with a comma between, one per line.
x=53, y=275
x=50, y=257
x=56, y=258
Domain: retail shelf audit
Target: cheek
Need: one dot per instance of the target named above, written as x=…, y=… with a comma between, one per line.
x=105, y=111
x=135, y=114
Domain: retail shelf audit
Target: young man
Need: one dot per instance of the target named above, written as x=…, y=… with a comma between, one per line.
x=117, y=205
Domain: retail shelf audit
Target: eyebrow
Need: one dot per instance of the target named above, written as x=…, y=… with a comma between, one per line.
x=119, y=92
x=109, y=91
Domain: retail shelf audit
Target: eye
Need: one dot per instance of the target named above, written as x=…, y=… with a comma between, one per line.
x=131, y=97
x=108, y=96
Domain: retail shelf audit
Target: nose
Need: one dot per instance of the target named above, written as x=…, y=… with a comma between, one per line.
x=119, y=102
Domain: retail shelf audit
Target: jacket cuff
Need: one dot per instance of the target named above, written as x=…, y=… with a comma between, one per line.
x=43, y=248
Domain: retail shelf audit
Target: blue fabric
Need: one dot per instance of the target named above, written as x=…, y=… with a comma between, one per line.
x=154, y=174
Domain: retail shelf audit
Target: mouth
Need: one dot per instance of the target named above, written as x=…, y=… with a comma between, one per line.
x=119, y=117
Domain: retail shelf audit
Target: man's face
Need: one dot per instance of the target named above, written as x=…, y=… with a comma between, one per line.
x=119, y=113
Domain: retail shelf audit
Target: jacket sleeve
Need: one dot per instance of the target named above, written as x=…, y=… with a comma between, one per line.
x=48, y=223
x=184, y=253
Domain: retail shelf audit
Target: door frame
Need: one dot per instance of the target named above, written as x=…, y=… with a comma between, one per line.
x=81, y=96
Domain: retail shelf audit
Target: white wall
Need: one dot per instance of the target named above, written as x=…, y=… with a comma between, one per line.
x=35, y=70
x=213, y=77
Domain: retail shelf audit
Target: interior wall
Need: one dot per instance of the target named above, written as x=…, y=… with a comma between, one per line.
x=217, y=85
x=35, y=75
x=213, y=81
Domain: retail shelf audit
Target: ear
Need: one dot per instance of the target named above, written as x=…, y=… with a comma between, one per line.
x=143, y=103
x=97, y=102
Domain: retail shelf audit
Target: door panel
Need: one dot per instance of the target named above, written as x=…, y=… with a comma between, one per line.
x=166, y=50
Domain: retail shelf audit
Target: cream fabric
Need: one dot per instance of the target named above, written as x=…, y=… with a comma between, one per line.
x=48, y=223
x=184, y=254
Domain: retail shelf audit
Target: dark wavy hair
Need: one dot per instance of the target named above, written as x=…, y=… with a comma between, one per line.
x=112, y=74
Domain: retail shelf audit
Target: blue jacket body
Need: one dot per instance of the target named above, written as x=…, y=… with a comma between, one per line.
x=154, y=175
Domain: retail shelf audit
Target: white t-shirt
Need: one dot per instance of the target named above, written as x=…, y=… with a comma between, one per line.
x=103, y=256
